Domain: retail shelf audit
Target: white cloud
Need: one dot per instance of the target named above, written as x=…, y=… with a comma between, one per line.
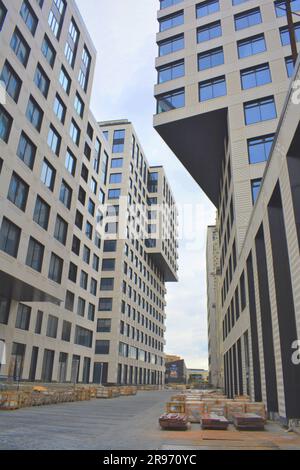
x=124, y=35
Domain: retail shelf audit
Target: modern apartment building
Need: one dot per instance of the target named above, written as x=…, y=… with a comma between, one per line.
x=60, y=294
x=224, y=70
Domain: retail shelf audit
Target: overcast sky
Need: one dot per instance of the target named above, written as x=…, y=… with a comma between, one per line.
x=123, y=32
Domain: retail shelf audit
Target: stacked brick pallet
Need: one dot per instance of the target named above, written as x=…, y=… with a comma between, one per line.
x=114, y=392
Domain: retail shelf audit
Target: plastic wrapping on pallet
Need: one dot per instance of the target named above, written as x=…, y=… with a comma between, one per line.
x=232, y=408
x=256, y=408
x=248, y=421
x=194, y=410
x=214, y=421
x=174, y=421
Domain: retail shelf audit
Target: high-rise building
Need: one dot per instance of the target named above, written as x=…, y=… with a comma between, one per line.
x=61, y=279
x=224, y=69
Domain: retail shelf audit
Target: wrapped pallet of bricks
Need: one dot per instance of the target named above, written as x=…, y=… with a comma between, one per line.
x=174, y=421
x=176, y=407
x=256, y=408
x=232, y=408
x=194, y=410
x=9, y=401
x=218, y=409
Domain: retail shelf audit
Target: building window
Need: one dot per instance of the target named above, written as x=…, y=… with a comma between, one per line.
x=12, y=81
x=104, y=326
x=9, y=237
x=170, y=101
x=70, y=162
x=105, y=305
x=209, y=31
x=255, y=188
x=260, y=110
x=26, y=150
x=290, y=67
x=171, y=45
x=81, y=307
x=168, y=3
x=66, y=331
x=107, y=284
x=110, y=246
x=259, y=148
x=56, y=16
x=93, y=288
x=102, y=347
x=171, y=71
x=54, y=140
x=29, y=17
x=41, y=213
x=55, y=268
x=48, y=175
x=83, y=337
x=238, y=2
x=108, y=264
x=211, y=89
x=20, y=47
x=52, y=326
x=48, y=51
x=79, y=105
x=246, y=19
x=280, y=7
x=59, y=109
x=119, y=141
x=65, y=194
x=75, y=133
x=73, y=270
x=171, y=21
x=34, y=114
x=69, y=301
x=84, y=71
x=285, y=35
x=251, y=46
x=5, y=124
x=35, y=255
x=4, y=305
x=115, y=178
x=65, y=80
x=3, y=12
x=207, y=8
x=39, y=322
x=117, y=163
x=72, y=43
x=61, y=230
x=18, y=192
x=255, y=76
x=91, y=312
x=211, y=58
x=114, y=193
x=23, y=317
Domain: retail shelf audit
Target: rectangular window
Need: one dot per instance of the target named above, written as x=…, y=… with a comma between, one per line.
x=81, y=307
x=110, y=246
x=104, y=326
x=115, y=178
x=255, y=76
x=251, y=46
x=248, y=18
x=168, y=3
x=117, y=163
x=54, y=140
x=39, y=322
x=65, y=80
x=171, y=21
x=119, y=141
x=83, y=337
x=114, y=193
x=9, y=237
x=12, y=81
x=42, y=81
x=107, y=284
x=34, y=114
x=48, y=175
x=55, y=268
x=79, y=105
x=285, y=35
x=104, y=168
x=18, y=192
x=207, y=8
x=75, y=133
x=65, y=194
x=211, y=89
x=93, y=288
x=170, y=101
x=35, y=255
x=52, y=326
x=209, y=31
x=66, y=331
x=3, y=12
x=280, y=7
x=41, y=213
x=171, y=71
x=20, y=47
x=211, y=58
x=91, y=312
x=255, y=188
x=61, y=230
x=5, y=124
x=56, y=17
x=70, y=162
x=105, y=305
x=72, y=43
x=171, y=45
x=29, y=17
x=260, y=110
x=26, y=150
x=102, y=347
x=48, y=51
x=84, y=71
x=59, y=109
x=4, y=305
x=69, y=301
x=259, y=148
x=108, y=264
x=289, y=63
x=23, y=317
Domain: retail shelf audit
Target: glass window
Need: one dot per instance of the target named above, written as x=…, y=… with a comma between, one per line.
x=23, y=317
x=18, y=192
x=251, y=46
x=260, y=110
x=70, y=162
x=104, y=168
x=119, y=141
x=65, y=195
x=42, y=81
x=41, y=213
x=212, y=88
x=3, y=12
x=26, y=150
x=55, y=268
x=255, y=187
x=83, y=337
x=117, y=163
x=105, y=305
x=168, y=3
x=171, y=21
x=171, y=45
x=61, y=230
x=107, y=284
x=56, y=16
x=75, y=132
x=280, y=7
x=104, y=325
x=255, y=76
x=9, y=237
x=65, y=80
x=170, y=101
x=59, y=109
x=209, y=31
x=29, y=17
x=289, y=63
x=259, y=148
x=5, y=124
x=207, y=8
x=35, y=255
x=285, y=35
x=72, y=43
x=110, y=246
x=108, y=264
x=34, y=114
x=20, y=47
x=79, y=105
x=102, y=347
x=12, y=81
x=247, y=19
x=114, y=193
x=171, y=71
x=84, y=71
x=66, y=331
x=54, y=140
x=211, y=58
x=115, y=178
x=48, y=51
x=48, y=175
x=52, y=326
